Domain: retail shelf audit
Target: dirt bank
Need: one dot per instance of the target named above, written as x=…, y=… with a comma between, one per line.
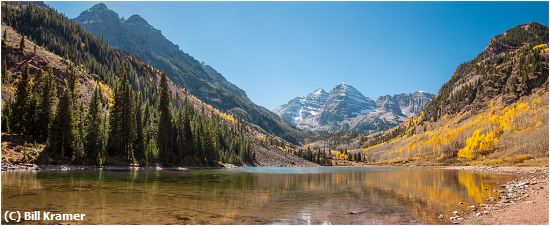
x=521, y=201
x=271, y=157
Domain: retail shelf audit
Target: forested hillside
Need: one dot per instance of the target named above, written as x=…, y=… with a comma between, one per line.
x=137, y=37
x=97, y=105
x=493, y=109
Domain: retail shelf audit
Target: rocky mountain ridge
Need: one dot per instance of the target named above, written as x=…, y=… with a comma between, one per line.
x=345, y=108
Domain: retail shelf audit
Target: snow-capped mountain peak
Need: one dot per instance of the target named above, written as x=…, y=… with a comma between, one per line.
x=346, y=108
x=317, y=94
x=301, y=108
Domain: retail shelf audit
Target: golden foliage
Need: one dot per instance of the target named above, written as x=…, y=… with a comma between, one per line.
x=469, y=136
x=227, y=116
x=479, y=144
x=260, y=136
x=341, y=155
x=107, y=92
x=541, y=46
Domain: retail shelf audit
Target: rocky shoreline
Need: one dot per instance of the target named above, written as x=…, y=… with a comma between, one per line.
x=66, y=167
x=520, y=201
x=7, y=166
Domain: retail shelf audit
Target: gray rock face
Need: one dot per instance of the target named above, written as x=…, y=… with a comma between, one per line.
x=347, y=109
x=408, y=104
x=302, y=107
x=344, y=102
x=99, y=14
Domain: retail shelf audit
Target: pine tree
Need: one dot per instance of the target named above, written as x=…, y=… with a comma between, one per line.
x=31, y=122
x=129, y=126
x=180, y=137
x=150, y=135
x=78, y=123
x=197, y=144
x=139, y=145
x=22, y=43
x=165, y=122
x=115, y=120
x=187, y=133
x=71, y=85
x=60, y=139
x=4, y=37
x=94, y=146
x=6, y=113
x=104, y=136
x=122, y=121
x=20, y=104
x=47, y=99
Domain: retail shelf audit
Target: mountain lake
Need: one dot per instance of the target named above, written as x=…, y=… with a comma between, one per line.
x=252, y=195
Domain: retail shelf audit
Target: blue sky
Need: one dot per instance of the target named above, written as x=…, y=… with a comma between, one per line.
x=276, y=51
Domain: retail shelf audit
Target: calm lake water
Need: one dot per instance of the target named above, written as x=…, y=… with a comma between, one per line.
x=264, y=195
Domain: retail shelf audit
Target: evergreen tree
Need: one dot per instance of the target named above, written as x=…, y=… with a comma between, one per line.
x=20, y=104
x=77, y=123
x=31, y=122
x=139, y=142
x=60, y=139
x=129, y=125
x=4, y=37
x=150, y=135
x=165, y=122
x=22, y=43
x=115, y=119
x=187, y=133
x=6, y=112
x=94, y=145
x=180, y=137
x=122, y=121
x=47, y=99
x=104, y=134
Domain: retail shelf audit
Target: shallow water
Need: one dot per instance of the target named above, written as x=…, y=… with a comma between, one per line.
x=263, y=195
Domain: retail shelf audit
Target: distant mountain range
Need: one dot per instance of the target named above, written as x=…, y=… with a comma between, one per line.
x=345, y=108
x=137, y=37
